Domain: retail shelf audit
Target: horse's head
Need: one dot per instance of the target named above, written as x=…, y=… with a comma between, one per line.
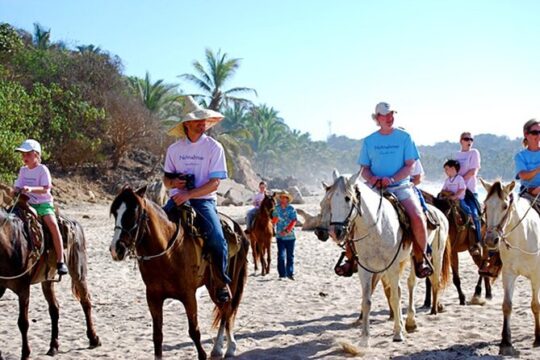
x=268, y=204
x=498, y=205
x=337, y=207
x=128, y=211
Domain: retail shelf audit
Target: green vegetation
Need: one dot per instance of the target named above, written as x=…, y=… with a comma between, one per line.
x=88, y=114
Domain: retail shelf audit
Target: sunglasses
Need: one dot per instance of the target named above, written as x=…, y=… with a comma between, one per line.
x=534, y=132
x=467, y=139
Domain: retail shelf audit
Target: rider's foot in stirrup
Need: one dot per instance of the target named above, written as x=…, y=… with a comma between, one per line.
x=61, y=268
x=422, y=269
x=223, y=295
x=475, y=250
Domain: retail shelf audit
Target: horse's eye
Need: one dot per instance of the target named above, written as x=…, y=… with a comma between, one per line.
x=347, y=199
x=505, y=207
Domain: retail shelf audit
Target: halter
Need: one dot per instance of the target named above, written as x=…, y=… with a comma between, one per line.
x=502, y=224
x=137, y=239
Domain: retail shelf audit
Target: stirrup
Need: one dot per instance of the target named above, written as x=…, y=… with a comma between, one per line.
x=423, y=268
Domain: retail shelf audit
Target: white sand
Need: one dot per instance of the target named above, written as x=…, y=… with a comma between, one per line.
x=302, y=319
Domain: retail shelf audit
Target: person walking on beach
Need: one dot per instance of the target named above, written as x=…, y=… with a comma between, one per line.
x=386, y=160
x=284, y=217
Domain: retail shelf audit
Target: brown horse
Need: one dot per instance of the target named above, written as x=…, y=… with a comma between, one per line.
x=461, y=236
x=21, y=265
x=172, y=266
x=261, y=234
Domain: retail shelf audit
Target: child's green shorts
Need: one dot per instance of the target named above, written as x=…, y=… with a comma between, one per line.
x=44, y=209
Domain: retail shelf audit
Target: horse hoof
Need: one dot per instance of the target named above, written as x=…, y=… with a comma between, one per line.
x=410, y=328
x=398, y=337
x=94, y=343
x=476, y=300
x=426, y=307
x=508, y=351
x=216, y=354
x=52, y=351
x=535, y=344
x=231, y=351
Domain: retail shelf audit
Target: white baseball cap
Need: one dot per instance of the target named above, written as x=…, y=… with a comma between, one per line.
x=29, y=145
x=383, y=108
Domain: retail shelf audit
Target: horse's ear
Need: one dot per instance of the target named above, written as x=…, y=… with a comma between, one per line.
x=326, y=187
x=335, y=174
x=510, y=187
x=354, y=179
x=486, y=184
x=141, y=191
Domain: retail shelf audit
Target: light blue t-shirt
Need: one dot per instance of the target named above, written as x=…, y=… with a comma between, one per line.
x=528, y=160
x=385, y=155
x=285, y=216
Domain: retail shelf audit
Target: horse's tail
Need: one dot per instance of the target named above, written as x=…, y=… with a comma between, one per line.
x=447, y=263
x=76, y=254
x=238, y=272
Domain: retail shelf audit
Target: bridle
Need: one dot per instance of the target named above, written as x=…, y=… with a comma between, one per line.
x=139, y=228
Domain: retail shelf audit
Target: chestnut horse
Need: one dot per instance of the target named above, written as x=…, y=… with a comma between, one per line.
x=460, y=235
x=261, y=234
x=172, y=266
x=21, y=265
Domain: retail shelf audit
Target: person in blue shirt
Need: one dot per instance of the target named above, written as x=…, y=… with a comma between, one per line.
x=284, y=217
x=386, y=160
x=527, y=161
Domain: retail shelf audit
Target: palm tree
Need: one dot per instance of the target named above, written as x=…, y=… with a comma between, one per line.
x=83, y=49
x=212, y=80
x=161, y=99
x=42, y=37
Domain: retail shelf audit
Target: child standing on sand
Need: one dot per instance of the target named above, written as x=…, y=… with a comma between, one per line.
x=35, y=181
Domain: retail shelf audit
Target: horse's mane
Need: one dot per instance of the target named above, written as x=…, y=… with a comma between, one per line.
x=496, y=189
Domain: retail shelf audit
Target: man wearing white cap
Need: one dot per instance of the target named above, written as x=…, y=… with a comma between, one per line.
x=387, y=159
x=201, y=161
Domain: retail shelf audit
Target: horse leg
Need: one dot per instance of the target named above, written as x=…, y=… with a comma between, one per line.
x=455, y=277
x=410, y=322
x=263, y=260
x=2, y=291
x=254, y=252
x=190, y=304
x=81, y=291
x=155, y=305
x=24, y=301
x=535, y=306
x=505, y=347
x=365, y=279
x=477, y=298
x=487, y=284
x=54, y=312
x=427, y=298
x=268, y=255
x=217, y=350
x=231, y=341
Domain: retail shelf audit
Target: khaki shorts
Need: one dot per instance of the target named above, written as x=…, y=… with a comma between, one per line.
x=44, y=209
x=403, y=191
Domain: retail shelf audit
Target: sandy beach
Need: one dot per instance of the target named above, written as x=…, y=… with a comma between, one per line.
x=301, y=319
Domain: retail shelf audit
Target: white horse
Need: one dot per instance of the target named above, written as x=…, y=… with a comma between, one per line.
x=352, y=210
x=513, y=228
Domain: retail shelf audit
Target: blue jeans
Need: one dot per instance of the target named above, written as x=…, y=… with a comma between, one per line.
x=469, y=206
x=250, y=217
x=214, y=241
x=285, y=257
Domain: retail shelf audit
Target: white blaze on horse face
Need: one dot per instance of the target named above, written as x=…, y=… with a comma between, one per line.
x=117, y=228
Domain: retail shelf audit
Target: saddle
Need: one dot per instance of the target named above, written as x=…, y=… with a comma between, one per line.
x=188, y=220
x=535, y=204
x=40, y=240
x=431, y=218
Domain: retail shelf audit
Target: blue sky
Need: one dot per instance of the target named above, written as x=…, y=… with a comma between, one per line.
x=445, y=66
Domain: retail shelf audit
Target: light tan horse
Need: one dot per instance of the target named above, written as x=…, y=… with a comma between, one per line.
x=513, y=228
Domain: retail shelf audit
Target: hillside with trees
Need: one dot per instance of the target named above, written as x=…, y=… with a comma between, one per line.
x=92, y=119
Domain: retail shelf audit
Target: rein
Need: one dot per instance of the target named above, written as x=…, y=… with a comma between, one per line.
x=499, y=228
x=137, y=239
x=352, y=241
x=41, y=251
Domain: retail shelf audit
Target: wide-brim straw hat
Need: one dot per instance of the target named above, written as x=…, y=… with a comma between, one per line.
x=286, y=194
x=192, y=112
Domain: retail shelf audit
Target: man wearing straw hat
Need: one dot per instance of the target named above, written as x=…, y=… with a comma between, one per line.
x=201, y=161
x=284, y=217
